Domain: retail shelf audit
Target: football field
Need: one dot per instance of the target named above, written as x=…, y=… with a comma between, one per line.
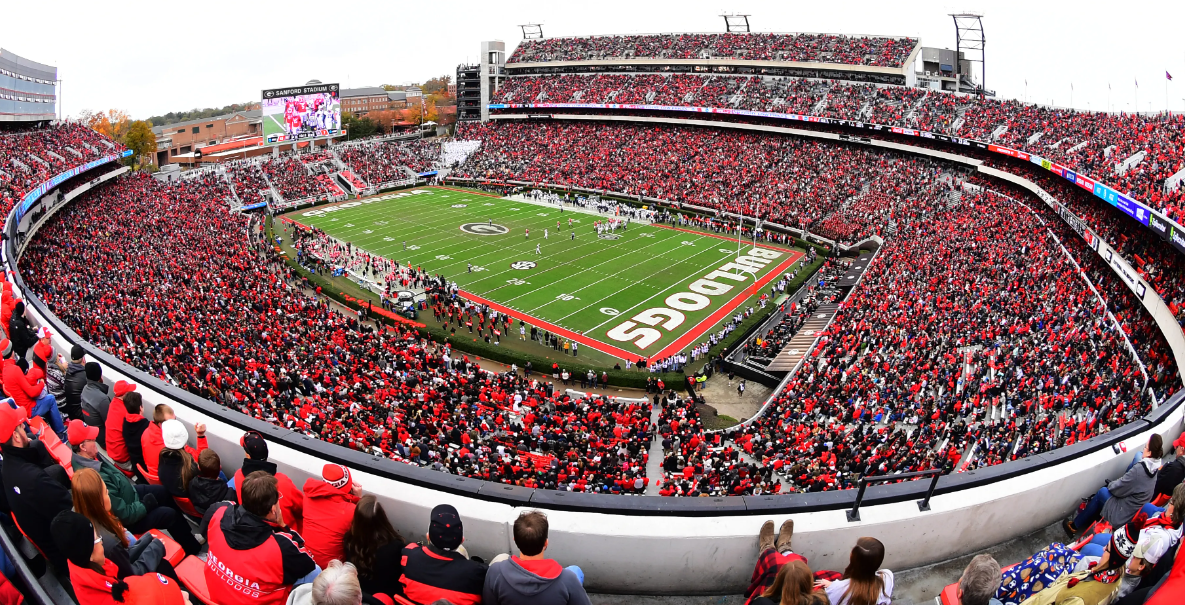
x=647, y=291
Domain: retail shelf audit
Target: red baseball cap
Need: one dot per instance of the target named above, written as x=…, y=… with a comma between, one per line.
x=10, y=419
x=78, y=431
x=1180, y=442
x=124, y=387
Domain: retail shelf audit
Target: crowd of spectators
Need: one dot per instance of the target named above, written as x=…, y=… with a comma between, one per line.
x=1093, y=143
x=247, y=181
x=271, y=351
x=291, y=178
x=378, y=162
x=812, y=48
x=918, y=365
x=787, y=180
x=31, y=156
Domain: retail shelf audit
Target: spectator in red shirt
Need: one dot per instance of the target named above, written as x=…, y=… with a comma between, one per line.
x=116, y=415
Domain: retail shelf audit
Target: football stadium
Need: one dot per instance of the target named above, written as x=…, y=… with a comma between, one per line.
x=748, y=317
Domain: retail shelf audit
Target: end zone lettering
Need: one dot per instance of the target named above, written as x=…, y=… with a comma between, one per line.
x=672, y=316
x=323, y=211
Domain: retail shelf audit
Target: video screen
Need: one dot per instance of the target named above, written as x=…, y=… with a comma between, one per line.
x=301, y=113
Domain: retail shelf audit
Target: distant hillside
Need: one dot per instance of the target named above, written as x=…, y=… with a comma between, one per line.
x=193, y=114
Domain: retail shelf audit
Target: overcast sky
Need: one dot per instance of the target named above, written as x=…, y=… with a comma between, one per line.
x=150, y=58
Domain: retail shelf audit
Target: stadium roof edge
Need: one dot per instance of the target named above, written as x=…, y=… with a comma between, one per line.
x=362, y=91
x=723, y=33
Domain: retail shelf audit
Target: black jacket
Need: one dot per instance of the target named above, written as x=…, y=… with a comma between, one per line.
x=168, y=469
x=75, y=381
x=441, y=575
x=33, y=496
x=1170, y=476
x=383, y=578
x=204, y=493
x=132, y=431
x=20, y=332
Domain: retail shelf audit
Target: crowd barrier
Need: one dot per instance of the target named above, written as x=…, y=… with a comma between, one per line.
x=654, y=545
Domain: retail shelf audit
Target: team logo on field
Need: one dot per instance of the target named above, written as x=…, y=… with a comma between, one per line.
x=460, y=205
x=484, y=229
x=609, y=236
x=523, y=265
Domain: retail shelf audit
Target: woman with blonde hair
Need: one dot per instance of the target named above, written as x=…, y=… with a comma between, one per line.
x=132, y=556
x=794, y=585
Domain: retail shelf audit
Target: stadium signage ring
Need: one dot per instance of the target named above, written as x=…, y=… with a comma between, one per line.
x=484, y=229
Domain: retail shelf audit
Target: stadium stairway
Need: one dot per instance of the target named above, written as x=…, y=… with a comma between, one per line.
x=655, y=455
x=800, y=343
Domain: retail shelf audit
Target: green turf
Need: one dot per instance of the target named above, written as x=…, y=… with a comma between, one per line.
x=576, y=284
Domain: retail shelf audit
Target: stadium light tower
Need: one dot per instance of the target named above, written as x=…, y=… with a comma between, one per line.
x=969, y=37
x=532, y=31
x=736, y=24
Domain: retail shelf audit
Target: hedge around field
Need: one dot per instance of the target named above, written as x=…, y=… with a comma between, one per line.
x=635, y=379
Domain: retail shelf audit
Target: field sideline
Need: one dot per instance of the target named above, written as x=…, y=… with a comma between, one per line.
x=647, y=291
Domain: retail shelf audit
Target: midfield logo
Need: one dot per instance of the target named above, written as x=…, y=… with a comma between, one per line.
x=484, y=229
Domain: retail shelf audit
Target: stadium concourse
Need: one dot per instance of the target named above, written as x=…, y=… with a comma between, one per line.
x=985, y=331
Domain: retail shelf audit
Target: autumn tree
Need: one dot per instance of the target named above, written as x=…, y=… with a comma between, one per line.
x=113, y=124
x=420, y=111
x=140, y=139
x=437, y=85
x=357, y=127
x=384, y=119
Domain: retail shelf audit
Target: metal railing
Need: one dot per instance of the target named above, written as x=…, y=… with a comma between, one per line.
x=923, y=504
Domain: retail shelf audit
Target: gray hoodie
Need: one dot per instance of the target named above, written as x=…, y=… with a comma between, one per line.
x=545, y=583
x=1131, y=491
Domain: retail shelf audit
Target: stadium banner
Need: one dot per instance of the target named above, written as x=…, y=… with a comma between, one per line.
x=301, y=113
x=1137, y=210
x=35, y=193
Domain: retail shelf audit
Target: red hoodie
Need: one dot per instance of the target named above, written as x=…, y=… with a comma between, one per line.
x=291, y=500
x=17, y=386
x=328, y=513
x=151, y=442
x=116, y=413
x=92, y=587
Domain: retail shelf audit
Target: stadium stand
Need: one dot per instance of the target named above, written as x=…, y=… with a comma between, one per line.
x=31, y=156
x=1094, y=143
x=972, y=341
x=806, y=48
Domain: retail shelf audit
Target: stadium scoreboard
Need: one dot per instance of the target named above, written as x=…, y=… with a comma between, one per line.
x=301, y=113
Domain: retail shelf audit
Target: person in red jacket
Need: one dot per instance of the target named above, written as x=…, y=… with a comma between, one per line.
x=291, y=498
x=152, y=442
x=28, y=394
x=116, y=414
x=329, y=505
x=96, y=579
x=253, y=559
